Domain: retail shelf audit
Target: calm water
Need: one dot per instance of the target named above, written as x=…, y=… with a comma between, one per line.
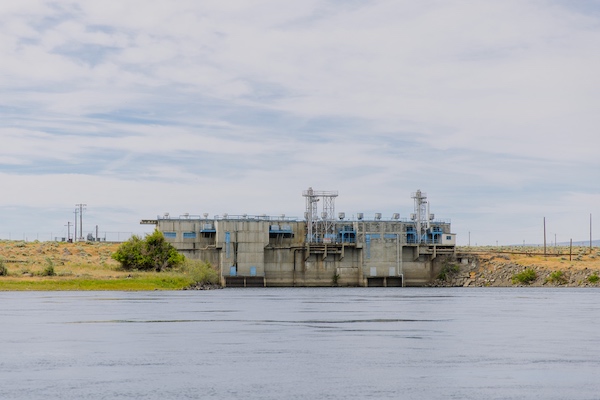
x=363, y=343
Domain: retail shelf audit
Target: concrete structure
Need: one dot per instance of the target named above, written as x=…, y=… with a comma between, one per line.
x=260, y=250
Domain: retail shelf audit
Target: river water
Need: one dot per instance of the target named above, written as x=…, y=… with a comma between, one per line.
x=302, y=343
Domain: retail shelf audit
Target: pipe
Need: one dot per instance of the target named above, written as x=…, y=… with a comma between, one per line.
x=397, y=253
x=428, y=219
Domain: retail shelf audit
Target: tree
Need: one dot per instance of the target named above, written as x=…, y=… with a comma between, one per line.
x=151, y=253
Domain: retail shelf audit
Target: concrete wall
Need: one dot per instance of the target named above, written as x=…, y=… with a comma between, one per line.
x=247, y=241
x=379, y=255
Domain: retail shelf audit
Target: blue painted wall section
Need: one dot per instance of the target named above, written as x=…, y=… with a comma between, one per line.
x=227, y=244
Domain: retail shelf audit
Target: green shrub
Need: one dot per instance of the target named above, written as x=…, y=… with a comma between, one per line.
x=49, y=270
x=557, y=277
x=151, y=253
x=447, y=271
x=200, y=272
x=525, y=277
x=3, y=269
x=335, y=279
x=594, y=278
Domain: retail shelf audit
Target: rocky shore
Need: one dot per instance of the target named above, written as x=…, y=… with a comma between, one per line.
x=505, y=270
x=203, y=286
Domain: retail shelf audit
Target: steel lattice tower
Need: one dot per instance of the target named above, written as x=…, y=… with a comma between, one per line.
x=421, y=215
x=318, y=226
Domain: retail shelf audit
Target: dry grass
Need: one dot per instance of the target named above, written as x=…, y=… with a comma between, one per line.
x=77, y=266
x=556, y=258
x=28, y=259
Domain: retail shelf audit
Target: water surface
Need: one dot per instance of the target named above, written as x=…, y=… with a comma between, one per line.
x=301, y=343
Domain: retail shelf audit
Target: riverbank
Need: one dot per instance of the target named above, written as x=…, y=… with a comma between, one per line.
x=77, y=266
x=89, y=266
x=505, y=267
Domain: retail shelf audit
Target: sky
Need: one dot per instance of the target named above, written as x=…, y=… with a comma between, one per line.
x=141, y=107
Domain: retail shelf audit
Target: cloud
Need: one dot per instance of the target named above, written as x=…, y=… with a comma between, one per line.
x=226, y=106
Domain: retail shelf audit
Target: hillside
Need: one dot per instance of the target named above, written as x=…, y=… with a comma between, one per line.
x=68, y=259
x=77, y=266
x=503, y=266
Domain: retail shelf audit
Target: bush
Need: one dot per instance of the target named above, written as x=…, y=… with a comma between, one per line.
x=594, y=278
x=448, y=270
x=201, y=272
x=557, y=277
x=335, y=279
x=525, y=277
x=49, y=270
x=151, y=253
x=3, y=269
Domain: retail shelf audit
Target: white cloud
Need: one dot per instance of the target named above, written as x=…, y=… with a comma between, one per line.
x=252, y=103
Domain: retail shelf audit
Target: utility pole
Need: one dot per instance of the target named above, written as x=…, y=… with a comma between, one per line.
x=544, y=236
x=590, y=233
x=81, y=219
x=571, y=250
x=68, y=230
x=75, y=234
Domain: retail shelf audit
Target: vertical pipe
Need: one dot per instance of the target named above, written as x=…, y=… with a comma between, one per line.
x=418, y=211
x=402, y=264
x=397, y=254
x=362, y=256
x=428, y=219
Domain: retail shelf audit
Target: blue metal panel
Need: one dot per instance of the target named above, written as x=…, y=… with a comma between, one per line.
x=170, y=235
x=280, y=228
x=252, y=271
x=208, y=228
x=347, y=235
x=368, y=240
x=227, y=243
x=189, y=235
x=233, y=270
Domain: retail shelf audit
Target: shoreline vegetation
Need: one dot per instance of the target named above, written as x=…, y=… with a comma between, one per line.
x=48, y=266
x=560, y=266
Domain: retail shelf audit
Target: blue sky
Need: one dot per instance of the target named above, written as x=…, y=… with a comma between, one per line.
x=138, y=108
